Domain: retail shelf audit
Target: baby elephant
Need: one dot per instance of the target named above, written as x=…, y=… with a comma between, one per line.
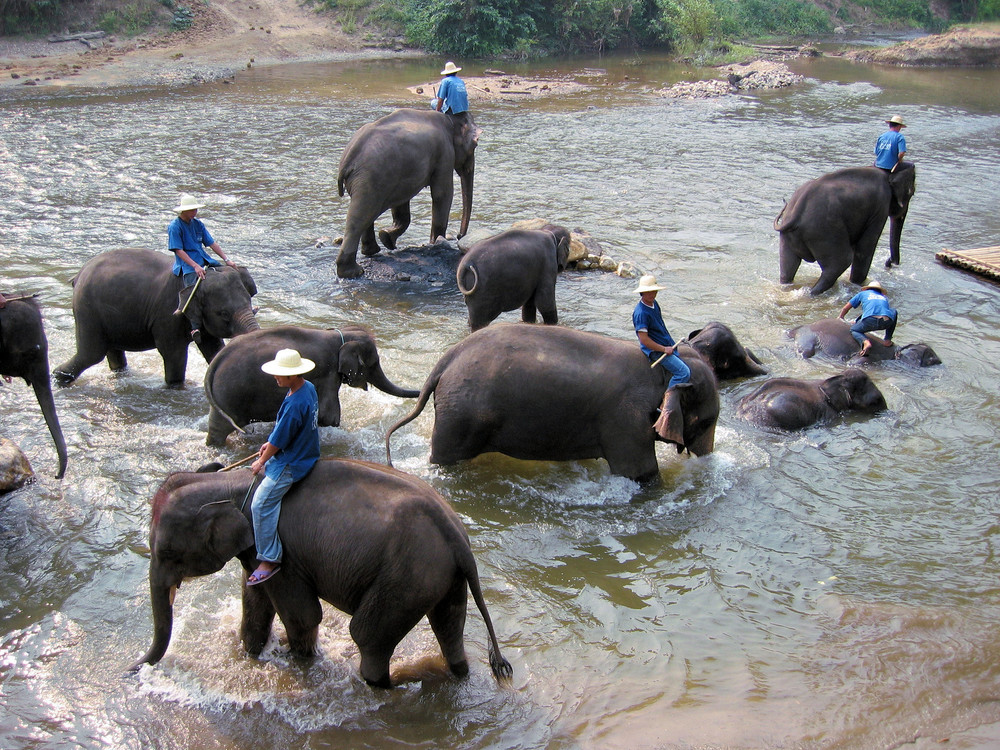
x=832, y=337
x=791, y=404
x=513, y=269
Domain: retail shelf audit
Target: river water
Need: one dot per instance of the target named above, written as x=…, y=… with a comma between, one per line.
x=833, y=588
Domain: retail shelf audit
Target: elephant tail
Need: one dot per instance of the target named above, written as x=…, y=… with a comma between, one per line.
x=475, y=278
x=501, y=668
x=425, y=394
x=214, y=404
x=781, y=222
x=340, y=184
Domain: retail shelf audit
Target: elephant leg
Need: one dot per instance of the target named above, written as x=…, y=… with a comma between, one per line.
x=447, y=620
x=829, y=275
x=117, y=361
x=626, y=458
x=528, y=311
x=258, y=616
x=545, y=300
x=378, y=629
x=209, y=346
x=788, y=261
x=70, y=370
x=864, y=251
x=442, y=193
x=400, y=221
x=174, y=365
x=301, y=620
x=218, y=428
x=369, y=246
x=357, y=225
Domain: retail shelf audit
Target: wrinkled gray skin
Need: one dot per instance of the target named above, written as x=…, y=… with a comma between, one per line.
x=832, y=336
x=791, y=404
x=513, y=269
x=836, y=220
x=240, y=393
x=389, y=161
x=124, y=301
x=718, y=345
x=376, y=543
x=24, y=353
x=557, y=394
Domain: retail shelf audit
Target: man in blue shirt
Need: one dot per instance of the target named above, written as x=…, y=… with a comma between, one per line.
x=876, y=315
x=890, y=148
x=290, y=452
x=186, y=236
x=452, y=96
x=654, y=339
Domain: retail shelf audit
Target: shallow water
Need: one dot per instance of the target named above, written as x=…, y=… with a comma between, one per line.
x=832, y=588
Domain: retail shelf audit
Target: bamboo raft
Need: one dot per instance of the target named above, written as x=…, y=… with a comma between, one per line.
x=984, y=261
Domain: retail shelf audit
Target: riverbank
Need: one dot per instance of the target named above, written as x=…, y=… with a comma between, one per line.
x=228, y=36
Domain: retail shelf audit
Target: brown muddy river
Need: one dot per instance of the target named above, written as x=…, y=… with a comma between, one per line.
x=833, y=588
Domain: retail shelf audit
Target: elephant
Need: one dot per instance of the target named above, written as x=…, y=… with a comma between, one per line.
x=513, y=269
x=125, y=301
x=718, y=345
x=833, y=337
x=389, y=161
x=557, y=394
x=24, y=353
x=836, y=220
x=376, y=543
x=239, y=392
x=792, y=404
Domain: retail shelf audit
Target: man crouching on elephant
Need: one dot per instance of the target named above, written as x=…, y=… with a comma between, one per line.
x=654, y=339
x=291, y=451
x=186, y=235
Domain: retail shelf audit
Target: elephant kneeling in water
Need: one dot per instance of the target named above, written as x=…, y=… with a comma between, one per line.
x=376, y=543
x=718, y=345
x=836, y=220
x=239, y=392
x=557, y=394
x=124, y=301
x=832, y=336
x=24, y=353
x=791, y=404
x=513, y=269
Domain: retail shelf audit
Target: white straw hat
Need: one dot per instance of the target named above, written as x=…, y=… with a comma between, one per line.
x=449, y=68
x=648, y=284
x=873, y=285
x=895, y=120
x=188, y=202
x=288, y=362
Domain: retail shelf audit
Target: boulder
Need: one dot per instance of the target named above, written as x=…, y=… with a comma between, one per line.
x=15, y=470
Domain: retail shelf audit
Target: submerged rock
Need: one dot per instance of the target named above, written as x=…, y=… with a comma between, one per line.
x=15, y=470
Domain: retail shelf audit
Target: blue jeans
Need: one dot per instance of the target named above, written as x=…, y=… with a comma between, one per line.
x=679, y=372
x=873, y=323
x=266, y=508
x=190, y=277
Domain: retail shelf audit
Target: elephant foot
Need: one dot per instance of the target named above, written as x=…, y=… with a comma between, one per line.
x=888, y=263
x=350, y=271
x=386, y=239
x=62, y=378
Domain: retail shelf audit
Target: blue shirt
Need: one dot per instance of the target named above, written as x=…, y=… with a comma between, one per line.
x=452, y=92
x=295, y=434
x=189, y=236
x=872, y=303
x=650, y=320
x=888, y=147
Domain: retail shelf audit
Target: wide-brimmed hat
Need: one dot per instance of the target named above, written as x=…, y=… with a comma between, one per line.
x=288, y=362
x=449, y=68
x=188, y=202
x=873, y=285
x=648, y=284
x=896, y=120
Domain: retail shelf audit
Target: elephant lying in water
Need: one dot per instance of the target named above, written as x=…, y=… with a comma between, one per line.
x=718, y=345
x=557, y=394
x=376, y=543
x=836, y=220
x=124, y=301
x=832, y=336
x=24, y=353
x=791, y=404
x=240, y=393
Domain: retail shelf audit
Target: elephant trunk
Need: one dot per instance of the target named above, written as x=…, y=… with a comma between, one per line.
x=895, y=232
x=43, y=393
x=162, y=599
x=379, y=379
x=467, y=174
x=245, y=322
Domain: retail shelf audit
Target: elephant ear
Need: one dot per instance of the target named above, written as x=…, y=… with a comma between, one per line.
x=670, y=425
x=247, y=280
x=227, y=533
x=356, y=359
x=562, y=240
x=839, y=389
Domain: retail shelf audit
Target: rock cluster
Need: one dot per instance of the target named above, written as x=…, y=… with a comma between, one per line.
x=15, y=470
x=585, y=251
x=759, y=74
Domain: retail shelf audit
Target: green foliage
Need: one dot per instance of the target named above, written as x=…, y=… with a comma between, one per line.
x=470, y=29
x=29, y=16
x=915, y=11
x=183, y=18
x=130, y=19
x=987, y=10
x=760, y=18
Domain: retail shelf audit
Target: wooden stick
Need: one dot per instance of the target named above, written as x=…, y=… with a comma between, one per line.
x=242, y=461
x=662, y=357
x=23, y=296
x=188, y=300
